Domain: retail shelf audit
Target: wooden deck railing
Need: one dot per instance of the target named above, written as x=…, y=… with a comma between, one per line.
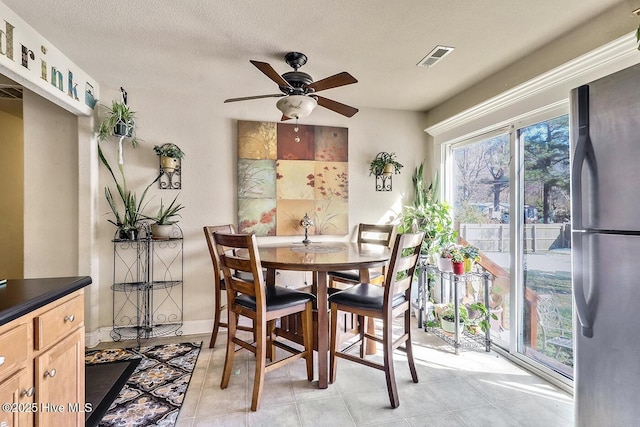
x=501, y=286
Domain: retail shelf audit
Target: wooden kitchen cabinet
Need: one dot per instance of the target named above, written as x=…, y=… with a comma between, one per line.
x=59, y=374
x=42, y=365
x=14, y=391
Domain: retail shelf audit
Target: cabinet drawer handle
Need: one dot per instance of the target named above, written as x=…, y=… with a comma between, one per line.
x=2, y=359
x=69, y=318
x=51, y=373
x=28, y=393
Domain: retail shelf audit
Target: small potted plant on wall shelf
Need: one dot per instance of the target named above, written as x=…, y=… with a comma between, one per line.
x=119, y=121
x=165, y=219
x=384, y=164
x=169, y=155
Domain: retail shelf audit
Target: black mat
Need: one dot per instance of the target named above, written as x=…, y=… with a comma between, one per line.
x=103, y=382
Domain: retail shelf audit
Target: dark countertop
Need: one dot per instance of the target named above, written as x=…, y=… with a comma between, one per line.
x=21, y=296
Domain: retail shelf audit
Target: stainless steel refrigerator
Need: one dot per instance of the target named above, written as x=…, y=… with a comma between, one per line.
x=605, y=186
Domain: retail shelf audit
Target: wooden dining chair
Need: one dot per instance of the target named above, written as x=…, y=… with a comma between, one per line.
x=218, y=280
x=263, y=304
x=380, y=302
x=374, y=234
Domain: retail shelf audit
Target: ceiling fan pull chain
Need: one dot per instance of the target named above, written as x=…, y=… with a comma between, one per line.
x=295, y=129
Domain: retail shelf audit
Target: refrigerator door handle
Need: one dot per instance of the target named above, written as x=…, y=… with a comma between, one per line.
x=583, y=154
x=579, y=156
x=582, y=307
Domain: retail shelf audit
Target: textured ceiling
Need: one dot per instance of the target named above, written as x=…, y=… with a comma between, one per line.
x=204, y=47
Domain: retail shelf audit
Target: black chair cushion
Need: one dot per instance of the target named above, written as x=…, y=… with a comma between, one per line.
x=364, y=295
x=353, y=275
x=277, y=297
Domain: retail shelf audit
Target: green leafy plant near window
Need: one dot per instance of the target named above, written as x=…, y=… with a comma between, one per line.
x=470, y=252
x=471, y=316
x=428, y=214
x=481, y=319
x=457, y=254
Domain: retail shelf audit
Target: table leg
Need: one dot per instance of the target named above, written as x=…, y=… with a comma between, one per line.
x=369, y=345
x=320, y=282
x=270, y=279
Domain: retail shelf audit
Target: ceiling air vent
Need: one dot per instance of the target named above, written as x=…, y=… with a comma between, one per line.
x=10, y=92
x=434, y=56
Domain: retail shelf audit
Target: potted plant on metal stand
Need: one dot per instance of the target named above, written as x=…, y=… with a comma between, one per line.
x=128, y=219
x=164, y=219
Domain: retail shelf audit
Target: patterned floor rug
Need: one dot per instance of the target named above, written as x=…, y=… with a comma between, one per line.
x=154, y=392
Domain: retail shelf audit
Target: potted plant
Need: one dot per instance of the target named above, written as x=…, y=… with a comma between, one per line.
x=448, y=320
x=128, y=219
x=470, y=255
x=384, y=164
x=457, y=260
x=119, y=121
x=169, y=155
x=164, y=219
x=477, y=317
x=444, y=262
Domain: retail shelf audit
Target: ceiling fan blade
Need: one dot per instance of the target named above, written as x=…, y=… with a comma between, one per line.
x=337, y=80
x=275, y=95
x=285, y=118
x=336, y=106
x=270, y=72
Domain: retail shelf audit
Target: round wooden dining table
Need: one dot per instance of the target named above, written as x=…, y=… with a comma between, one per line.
x=320, y=258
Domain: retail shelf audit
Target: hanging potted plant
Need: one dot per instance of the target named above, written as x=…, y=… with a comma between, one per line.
x=169, y=156
x=164, y=219
x=384, y=164
x=119, y=121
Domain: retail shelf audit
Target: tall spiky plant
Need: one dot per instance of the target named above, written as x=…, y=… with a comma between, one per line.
x=428, y=214
x=132, y=206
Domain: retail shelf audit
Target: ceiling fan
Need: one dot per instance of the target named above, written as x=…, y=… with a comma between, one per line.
x=298, y=97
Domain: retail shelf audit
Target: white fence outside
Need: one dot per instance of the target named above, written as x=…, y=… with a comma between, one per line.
x=537, y=237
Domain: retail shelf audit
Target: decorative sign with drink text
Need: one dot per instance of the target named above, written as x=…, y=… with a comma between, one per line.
x=30, y=60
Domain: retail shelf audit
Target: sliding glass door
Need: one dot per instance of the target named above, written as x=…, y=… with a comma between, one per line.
x=510, y=192
x=481, y=200
x=546, y=299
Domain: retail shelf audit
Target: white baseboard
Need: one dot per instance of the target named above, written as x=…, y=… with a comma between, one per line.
x=193, y=327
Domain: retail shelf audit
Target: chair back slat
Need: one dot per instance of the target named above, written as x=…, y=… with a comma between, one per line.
x=239, y=253
x=404, y=257
x=375, y=234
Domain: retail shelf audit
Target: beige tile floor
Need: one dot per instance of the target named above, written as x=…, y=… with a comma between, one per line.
x=474, y=388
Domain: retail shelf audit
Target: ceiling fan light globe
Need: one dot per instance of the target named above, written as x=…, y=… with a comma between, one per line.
x=296, y=106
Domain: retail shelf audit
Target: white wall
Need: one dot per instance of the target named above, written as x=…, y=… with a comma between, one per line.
x=50, y=189
x=207, y=134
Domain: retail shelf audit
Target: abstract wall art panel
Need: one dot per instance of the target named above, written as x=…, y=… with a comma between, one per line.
x=284, y=173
